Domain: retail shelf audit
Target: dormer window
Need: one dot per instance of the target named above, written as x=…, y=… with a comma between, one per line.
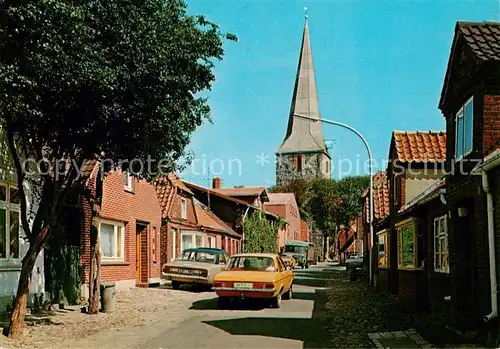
x=183, y=208
x=464, y=130
x=127, y=181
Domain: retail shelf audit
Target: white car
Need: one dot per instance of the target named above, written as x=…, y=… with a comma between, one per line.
x=355, y=259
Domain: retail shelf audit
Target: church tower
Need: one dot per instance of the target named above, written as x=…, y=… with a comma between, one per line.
x=303, y=153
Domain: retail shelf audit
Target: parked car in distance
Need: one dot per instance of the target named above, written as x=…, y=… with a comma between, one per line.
x=254, y=275
x=355, y=259
x=288, y=260
x=299, y=250
x=195, y=266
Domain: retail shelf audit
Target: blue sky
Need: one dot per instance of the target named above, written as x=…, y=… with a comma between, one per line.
x=379, y=67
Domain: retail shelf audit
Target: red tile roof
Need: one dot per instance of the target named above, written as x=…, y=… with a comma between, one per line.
x=165, y=191
x=208, y=220
x=243, y=191
x=420, y=146
x=380, y=197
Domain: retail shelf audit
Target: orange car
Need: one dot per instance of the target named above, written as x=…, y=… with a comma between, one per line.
x=254, y=275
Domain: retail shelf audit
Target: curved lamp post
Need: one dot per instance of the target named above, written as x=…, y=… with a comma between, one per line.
x=352, y=129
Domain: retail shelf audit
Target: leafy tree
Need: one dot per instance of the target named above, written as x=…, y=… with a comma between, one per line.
x=327, y=203
x=260, y=235
x=86, y=79
x=349, y=191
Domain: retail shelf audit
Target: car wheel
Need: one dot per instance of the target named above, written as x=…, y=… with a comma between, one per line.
x=276, y=302
x=288, y=294
x=176, y=285
x=302, y=266
x=307, y=265
x=224, y=302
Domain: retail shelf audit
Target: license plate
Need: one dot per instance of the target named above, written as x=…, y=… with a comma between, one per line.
x=243, y=285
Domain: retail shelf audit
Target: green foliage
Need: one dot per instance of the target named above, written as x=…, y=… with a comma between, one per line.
x=327, y=203
x=324, y=206
x=38, y=303
x=260, y=234
x=349, y=191
x=65, y=271
x=120, y=78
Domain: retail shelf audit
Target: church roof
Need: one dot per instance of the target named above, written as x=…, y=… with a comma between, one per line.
x=304, y=135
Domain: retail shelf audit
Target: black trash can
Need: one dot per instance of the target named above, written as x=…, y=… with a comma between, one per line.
x=352, y=272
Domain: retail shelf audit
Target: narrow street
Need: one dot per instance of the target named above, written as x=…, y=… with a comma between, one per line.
x=297, y=324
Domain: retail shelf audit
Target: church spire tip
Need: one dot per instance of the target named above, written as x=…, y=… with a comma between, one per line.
x=305, y=13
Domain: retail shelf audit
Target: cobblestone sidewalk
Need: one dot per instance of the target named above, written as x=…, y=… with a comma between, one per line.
x=357, y=314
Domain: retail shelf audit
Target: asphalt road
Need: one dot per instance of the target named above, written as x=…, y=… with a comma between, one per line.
x=298, y=323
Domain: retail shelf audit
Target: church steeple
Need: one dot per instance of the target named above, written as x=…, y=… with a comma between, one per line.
x=304, y=135
x=303, y=153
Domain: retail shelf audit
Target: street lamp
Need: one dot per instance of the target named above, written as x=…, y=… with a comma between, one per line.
x=352, y=129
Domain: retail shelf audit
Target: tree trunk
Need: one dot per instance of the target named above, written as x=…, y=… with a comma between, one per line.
x=325, y=245
x=95, y=261
x=15, y=329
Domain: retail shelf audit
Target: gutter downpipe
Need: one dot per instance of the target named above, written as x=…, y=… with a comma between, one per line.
x=491, y=247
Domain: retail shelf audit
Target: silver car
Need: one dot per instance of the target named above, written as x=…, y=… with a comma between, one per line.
x=195, y=266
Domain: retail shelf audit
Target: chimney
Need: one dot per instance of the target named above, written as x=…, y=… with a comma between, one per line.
x=216, y=183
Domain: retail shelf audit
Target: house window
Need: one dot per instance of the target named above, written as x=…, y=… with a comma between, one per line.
x=383, y=248
x=112, y=239
x=9, y=222
x=191, y=240
x=441, y=245
x=183, y=208
x=127, y=181
x=408, y=256
x=211, y=241
x=464, y=130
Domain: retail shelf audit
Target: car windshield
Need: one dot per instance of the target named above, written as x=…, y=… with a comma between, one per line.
x=295, y=249
x=198, y=256
x=251, y=263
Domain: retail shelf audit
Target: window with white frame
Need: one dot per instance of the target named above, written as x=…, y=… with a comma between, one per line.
x=191, y=239
x=211, y=241
x=184, y=208
x=127, y=181
x=441, y=264
x=464, y=129
x=9, y=222
x=112, y=239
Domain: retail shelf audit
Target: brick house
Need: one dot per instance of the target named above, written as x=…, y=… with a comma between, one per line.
x=187, y=222
x=216, y=229
x=470, y=103
x=179, y=229
x=230, y=210
x=304, y=231
x=129, y=231
x=380, y=227
x=416, y=161
x=427, y=286
x=285, y=206
x=256, y=196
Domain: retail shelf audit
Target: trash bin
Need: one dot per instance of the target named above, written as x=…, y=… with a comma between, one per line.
x=108, y=297
x=352, y=272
